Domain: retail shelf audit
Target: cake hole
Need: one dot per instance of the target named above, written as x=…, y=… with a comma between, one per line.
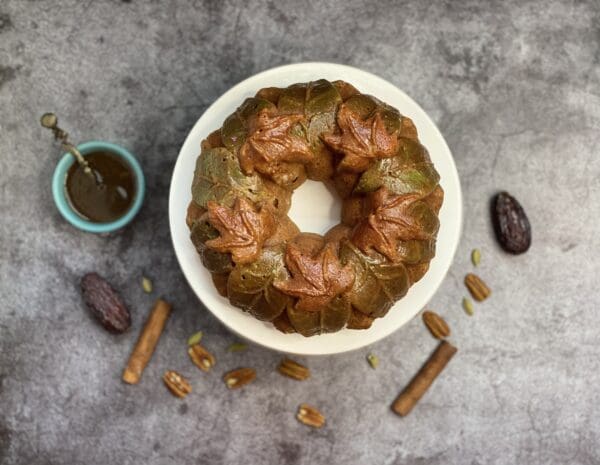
x=315, y=207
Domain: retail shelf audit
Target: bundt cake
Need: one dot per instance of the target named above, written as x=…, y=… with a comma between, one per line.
x=242, y=189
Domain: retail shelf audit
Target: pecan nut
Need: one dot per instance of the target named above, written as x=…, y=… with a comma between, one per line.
x=436, y=325
x=201, y=357
x=477, y=287
x=310, y=416
x=237, y=378
x=293, y=370
x=177, y=384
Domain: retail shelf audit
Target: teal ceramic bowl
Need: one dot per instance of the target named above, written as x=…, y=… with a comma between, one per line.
x=62, y=203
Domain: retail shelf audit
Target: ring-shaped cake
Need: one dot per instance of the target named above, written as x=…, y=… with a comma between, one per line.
x=242, y=189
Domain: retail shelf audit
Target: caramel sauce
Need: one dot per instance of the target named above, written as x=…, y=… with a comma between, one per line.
x=108, y=194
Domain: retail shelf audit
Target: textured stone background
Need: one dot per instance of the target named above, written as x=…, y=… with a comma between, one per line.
x=515, y=88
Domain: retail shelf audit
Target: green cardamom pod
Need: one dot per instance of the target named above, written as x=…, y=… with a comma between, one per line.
x=237, y=347
x=476, y=257
x=195, y=338
x=468, y=306
x=373, y=360
x=146, y=285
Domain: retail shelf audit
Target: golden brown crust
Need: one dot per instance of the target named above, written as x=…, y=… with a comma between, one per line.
x=271, y=94
x=285, y=231
x=360, y=140
x=213, y=140
x=271, y=143
x=322, y=167
x=194, y=213
x=353, y=210
x=408, y=129
x=317, y=276
x=345, y=182
x=337, y=234
x=435, y=199
x=242, y=229
x=359, y=320
x=220, y=282
x=345, y=89
x=283, y=324
x=310, y=243
x=388, y=222
x=416, y=272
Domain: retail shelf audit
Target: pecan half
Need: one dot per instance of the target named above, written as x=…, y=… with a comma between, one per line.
x=436, y=325
x=293, y=369
x=177, y=384
x=201, y=357
x=310, y=416
x=237, y=378
x=477, y=287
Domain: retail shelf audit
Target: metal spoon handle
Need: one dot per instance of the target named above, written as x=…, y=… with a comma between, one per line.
x=50, y=121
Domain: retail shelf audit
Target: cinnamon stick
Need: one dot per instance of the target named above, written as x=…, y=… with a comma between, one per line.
x=418, y=386
x=146, y=343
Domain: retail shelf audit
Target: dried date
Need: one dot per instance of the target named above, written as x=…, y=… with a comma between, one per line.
x=105, y=304
x=511, y=224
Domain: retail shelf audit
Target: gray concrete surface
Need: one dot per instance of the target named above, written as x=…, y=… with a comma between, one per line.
x=515, y=88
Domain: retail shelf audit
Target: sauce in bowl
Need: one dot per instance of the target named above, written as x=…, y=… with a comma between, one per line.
x=107, y=194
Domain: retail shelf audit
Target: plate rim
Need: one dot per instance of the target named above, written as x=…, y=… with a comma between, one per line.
x=362, y=338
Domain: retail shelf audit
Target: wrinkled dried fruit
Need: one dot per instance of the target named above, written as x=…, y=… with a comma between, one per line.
x=177, y=384
x=237, y=347
x=477, y=287
x=201, y=357
x=310, y=416
x=468, y=306
x=293, y=370
x=511, y=224
x=436, y=325
x=373, y=360
x=146, y=285
x=476, y=257
x=237, y=378
x=105, y=303
x=195, y=338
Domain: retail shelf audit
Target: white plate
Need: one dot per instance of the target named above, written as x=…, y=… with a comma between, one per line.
x=313, y=209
